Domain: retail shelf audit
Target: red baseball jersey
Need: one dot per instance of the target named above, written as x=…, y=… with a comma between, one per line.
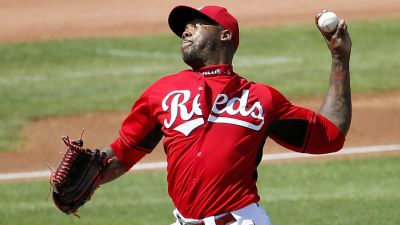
x=215, y=124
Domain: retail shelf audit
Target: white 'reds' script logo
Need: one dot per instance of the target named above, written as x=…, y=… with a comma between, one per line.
x=177, y=106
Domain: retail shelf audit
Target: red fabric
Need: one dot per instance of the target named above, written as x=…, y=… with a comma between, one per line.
x=322, y=136
x=325, y=137
x=215, y=124
x=127, y=155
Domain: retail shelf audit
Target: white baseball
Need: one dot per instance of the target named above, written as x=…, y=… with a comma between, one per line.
x=328, y=22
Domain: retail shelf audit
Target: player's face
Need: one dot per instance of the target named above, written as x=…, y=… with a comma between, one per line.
x=199, y=40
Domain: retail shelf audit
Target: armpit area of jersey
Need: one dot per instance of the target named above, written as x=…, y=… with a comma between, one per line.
x=290, y=131
x=315, y=136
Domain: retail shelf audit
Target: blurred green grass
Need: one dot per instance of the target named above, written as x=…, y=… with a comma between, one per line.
x=342, y=192
x=65, y=77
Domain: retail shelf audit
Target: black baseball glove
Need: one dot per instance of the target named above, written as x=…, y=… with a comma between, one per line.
x=77, y=177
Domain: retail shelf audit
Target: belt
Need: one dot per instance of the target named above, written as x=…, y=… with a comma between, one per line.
x=224, y=219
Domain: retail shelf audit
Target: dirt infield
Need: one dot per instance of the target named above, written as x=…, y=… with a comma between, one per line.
x=26, y=20
x=374, y=116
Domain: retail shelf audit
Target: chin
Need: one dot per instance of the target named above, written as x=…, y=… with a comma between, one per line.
x=192, y=60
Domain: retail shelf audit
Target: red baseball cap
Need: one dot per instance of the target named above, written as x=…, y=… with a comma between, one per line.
x=180, y=15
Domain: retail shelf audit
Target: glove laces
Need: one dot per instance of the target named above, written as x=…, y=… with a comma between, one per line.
x=59, y=176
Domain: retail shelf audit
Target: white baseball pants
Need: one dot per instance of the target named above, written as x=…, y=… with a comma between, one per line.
x=252, y=214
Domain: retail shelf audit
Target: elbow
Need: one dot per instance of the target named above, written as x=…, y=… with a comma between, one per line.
x=327, y=145
x=335, y=147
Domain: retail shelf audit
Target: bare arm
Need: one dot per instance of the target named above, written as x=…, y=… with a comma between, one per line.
x=115, y=168
x=336, y=106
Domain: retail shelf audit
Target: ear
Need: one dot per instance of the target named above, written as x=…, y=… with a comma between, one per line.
x=226, y=35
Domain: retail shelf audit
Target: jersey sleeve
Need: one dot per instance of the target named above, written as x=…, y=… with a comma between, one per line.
x=140, y=132
x=302, y=130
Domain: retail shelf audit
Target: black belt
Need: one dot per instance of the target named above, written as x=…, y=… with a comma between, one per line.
x=225, y=219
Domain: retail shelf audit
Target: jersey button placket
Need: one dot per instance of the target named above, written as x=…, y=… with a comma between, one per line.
x=202, y=104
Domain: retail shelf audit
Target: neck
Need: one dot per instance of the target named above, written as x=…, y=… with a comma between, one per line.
x=221, y=57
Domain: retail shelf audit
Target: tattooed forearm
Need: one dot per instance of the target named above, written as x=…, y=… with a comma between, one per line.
x=337, y=104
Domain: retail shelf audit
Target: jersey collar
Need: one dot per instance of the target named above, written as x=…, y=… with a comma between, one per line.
x=223, y=69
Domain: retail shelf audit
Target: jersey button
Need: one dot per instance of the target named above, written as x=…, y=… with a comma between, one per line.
x=198, y=154
x=200, y=88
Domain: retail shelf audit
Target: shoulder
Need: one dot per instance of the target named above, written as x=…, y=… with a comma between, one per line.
x=175, y=79
x=183, y=80
x=262, y=90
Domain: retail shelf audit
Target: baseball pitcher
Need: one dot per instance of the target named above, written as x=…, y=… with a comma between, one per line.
x=214, y=123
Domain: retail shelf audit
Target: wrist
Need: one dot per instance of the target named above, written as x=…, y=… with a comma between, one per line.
x=340, y=63
x=340, y=57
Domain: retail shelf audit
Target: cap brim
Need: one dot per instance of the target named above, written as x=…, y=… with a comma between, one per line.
x=180, y=16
